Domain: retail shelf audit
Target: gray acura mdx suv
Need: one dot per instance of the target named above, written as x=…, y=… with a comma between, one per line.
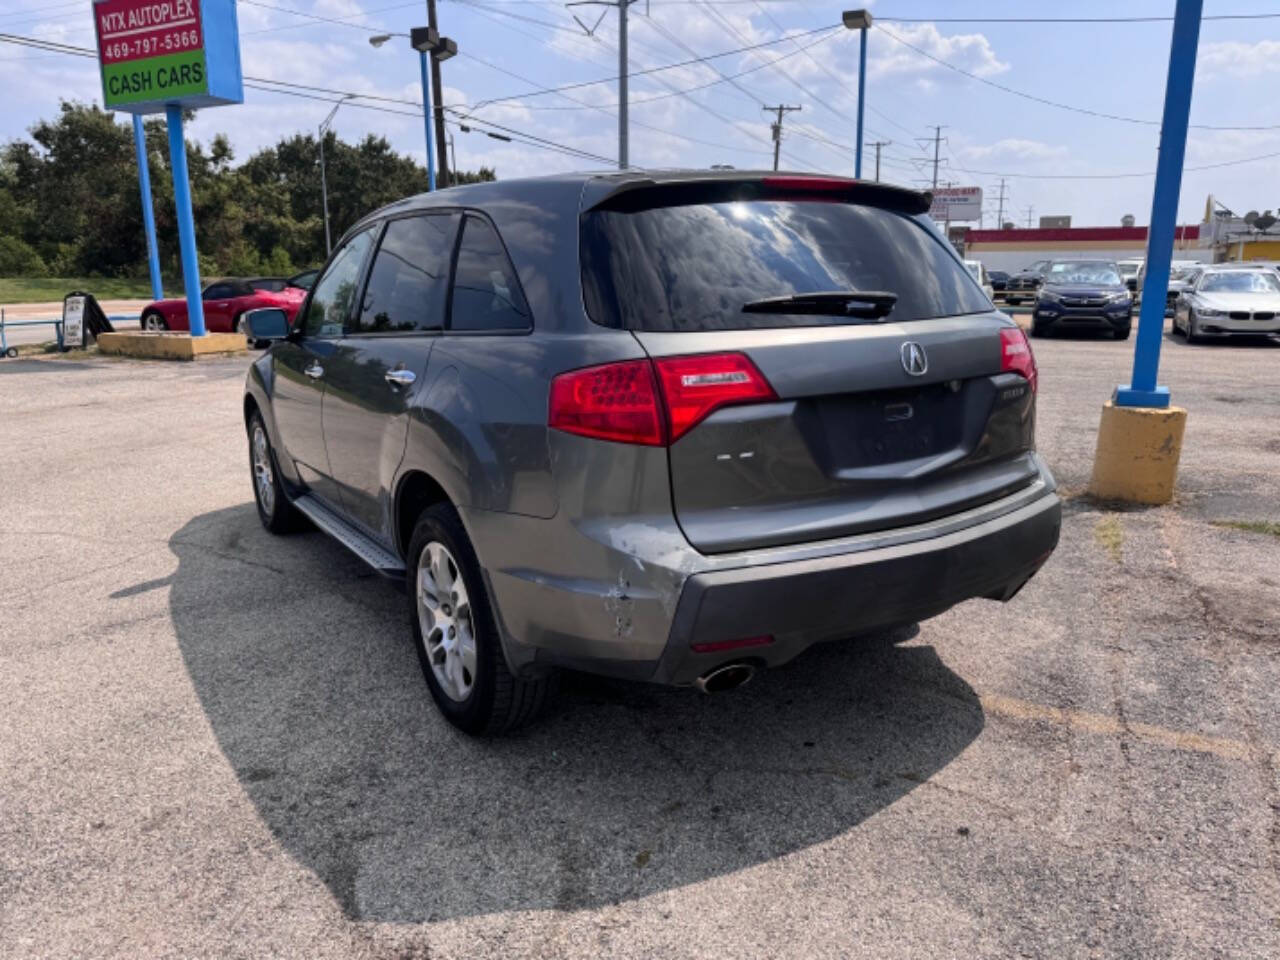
x=666, y=426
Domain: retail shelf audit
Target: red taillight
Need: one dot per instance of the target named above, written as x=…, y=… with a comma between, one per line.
x=695, y=386
x=623, y=401
x=1016, y=355
x=719, y=646
x=616, y=401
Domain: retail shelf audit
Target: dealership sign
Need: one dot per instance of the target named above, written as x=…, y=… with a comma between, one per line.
x=157, y=53
x=957, y=203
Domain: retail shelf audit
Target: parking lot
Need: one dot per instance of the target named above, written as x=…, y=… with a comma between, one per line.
x=219, y=743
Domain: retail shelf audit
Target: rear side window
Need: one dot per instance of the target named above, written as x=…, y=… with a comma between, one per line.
x=406, y=285
x=486, y=294
x=691, y=268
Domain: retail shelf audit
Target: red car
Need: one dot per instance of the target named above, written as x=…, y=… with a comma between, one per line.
x=224, y=302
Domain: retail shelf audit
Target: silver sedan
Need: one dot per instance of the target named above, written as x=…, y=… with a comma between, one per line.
x=1225, y=302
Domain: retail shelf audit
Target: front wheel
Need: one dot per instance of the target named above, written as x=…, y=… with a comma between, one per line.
x=456, y=634
x=1193, y=334
x=153, y=321
x=1123, y=333
x=274, y=509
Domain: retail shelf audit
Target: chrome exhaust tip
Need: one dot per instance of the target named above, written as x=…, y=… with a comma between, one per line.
x=729, y=677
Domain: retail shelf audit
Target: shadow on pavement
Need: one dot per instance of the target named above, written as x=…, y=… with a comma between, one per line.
x=304, y=666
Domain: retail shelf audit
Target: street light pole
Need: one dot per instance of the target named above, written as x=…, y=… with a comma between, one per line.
x=324, y=180
x=859, y=20
x=437, y=105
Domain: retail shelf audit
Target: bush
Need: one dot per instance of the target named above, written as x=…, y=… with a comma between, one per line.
x=17, y=259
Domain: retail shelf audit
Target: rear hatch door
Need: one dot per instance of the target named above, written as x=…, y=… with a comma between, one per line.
x=878, y=418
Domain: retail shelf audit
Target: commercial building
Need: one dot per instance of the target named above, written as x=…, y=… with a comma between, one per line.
x=1012, y=250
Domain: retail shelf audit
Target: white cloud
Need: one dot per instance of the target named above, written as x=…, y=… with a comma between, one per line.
x=1013, y=148
x=968, y=51
x=1239, y=60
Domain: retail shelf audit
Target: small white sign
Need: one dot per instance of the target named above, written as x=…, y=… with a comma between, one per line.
x=956, y=203
x=73, y=322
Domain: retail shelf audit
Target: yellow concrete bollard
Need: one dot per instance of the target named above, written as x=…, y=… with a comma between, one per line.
x=1137, y=455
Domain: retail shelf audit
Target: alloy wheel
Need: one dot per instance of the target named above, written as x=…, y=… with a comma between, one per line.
x=263, y=475
x=444, y=617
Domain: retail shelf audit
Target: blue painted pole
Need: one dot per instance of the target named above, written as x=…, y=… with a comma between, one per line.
x=1142, y=390
x=862, y=98
x=186, y=220
x=426, y=117
x=148, y=215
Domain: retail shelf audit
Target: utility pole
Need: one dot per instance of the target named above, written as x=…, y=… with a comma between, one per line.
x=622, y=5
x=936, y=140
x=1030, y=211
x=1000, y=210
x=776, y=126
x=437, y=104
x=878, y=144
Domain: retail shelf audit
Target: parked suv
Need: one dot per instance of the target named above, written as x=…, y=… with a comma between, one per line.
x=672, y=427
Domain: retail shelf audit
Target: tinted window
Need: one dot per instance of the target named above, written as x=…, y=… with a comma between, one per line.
x=693, y=267
x=405, y=288
x=486, y=295
x=217, y=291
x=273, y=286
x=335, y=292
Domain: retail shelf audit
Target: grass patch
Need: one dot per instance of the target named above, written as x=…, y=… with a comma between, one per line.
x=48, y=289
x=1110, y=535
x=1267, y=527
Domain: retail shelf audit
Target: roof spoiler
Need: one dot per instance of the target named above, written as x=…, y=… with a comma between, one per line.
x=645, y=193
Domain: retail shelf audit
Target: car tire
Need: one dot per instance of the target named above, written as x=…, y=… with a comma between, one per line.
x=275, y=510
x=1192, y=335
x=153, y=320
x=1038, y=329
x=1123, y=333
x=469, y=681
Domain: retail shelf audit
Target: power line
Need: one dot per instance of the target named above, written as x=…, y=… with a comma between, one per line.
x=1054, y=103
x=1220, y=16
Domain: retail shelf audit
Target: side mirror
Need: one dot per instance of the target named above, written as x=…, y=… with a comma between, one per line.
x=264, y=325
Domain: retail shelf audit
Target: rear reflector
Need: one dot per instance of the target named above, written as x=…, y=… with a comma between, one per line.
x=1016, y=355
x=719, y=646
x=625, y=403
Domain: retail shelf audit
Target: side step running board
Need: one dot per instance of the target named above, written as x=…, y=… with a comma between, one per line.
x=368, y=550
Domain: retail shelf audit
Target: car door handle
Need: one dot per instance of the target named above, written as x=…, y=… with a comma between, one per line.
x=315, y=371
x=400, y=377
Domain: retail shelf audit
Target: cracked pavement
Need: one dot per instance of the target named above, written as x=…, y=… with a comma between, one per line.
x=218, y=743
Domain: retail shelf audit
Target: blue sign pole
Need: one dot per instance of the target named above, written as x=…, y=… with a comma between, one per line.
x=148, y=215
x=862, y=97
x=426, y=117
x=186, y=221
x=1143, y=391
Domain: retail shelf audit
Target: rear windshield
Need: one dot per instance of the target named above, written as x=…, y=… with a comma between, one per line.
x=691, y=268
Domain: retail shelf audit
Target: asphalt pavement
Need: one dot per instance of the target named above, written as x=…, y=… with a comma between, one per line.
x=218, y=743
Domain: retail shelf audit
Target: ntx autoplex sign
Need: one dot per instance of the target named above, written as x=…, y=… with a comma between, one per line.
x=157, y=53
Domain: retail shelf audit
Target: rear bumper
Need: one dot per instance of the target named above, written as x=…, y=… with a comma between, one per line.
x=804, y=602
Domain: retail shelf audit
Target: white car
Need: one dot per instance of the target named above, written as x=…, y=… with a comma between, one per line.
x=979, y=271
x=1131, y=274
x=1226, y=302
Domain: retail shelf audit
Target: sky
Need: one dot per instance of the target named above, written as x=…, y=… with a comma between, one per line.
x=691, y=116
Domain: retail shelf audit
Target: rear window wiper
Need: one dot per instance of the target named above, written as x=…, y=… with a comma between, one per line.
x=865, y=304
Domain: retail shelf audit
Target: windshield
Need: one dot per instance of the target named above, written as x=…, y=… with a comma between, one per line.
x=1129, y=268
x=1241, y=281
x=694, y=267
x=1099, y=272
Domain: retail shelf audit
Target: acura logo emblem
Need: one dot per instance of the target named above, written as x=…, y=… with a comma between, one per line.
x=914, y=360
